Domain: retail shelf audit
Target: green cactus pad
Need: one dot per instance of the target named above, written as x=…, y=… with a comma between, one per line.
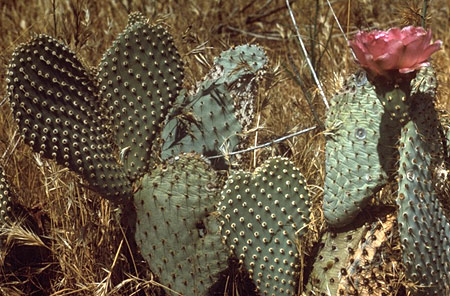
x=5, y=199
x=56, y=106
x=394, y=100
x=357, y=157
x=140, y=77
x=424, y=229
x=177, y=230
x=263, y=215
x=212, y=119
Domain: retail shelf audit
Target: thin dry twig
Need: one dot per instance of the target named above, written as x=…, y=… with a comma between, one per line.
x=305, y=53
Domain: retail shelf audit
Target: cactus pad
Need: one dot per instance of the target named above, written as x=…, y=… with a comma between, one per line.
x=140, y=77
x=263, y=215
x=56, y=105
x=5, y=199
x=424, y=229
x=177, y=230
x=355, y=165
x=212, y=118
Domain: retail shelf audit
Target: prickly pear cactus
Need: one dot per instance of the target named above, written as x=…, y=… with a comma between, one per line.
x=263, y=215
x=424, y=229
x=140, y=77
x=57, y=107
x=357, y=154
x=177, y=229
x=5, y=199
x=220, y=109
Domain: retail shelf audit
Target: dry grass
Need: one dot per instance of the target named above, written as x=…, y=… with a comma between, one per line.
x=82, y=249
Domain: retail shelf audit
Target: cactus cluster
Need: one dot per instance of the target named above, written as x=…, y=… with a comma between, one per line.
x=408, y=120
x=263, y=215
x=111, y=128
x=107, y=127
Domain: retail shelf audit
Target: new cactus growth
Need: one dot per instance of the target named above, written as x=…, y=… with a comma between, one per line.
x=140, y=77
x=221, y=106
x=177, y=229
x=424, y=230
x=57, y=107
x=263, y=215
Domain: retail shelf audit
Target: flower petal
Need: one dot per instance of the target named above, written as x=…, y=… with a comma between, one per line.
x=359, y=52
x=410, y=34
x=429, y=50
x=378, y=47
x=411, y=54
x=389, y=60
x=417, y=66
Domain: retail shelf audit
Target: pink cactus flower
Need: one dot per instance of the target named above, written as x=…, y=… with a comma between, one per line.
x=405, y=50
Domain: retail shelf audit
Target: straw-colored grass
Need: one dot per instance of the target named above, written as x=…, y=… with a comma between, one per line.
x=81, y=248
